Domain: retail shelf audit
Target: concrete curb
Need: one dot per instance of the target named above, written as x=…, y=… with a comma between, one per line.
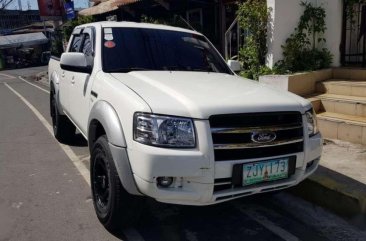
x=334, y=191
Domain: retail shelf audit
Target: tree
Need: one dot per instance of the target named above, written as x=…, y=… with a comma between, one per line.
x=4, y=3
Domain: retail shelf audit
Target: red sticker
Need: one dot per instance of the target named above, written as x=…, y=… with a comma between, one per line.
x=109, y=44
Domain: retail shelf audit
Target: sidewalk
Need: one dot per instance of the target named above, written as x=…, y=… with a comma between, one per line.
x=339, y=183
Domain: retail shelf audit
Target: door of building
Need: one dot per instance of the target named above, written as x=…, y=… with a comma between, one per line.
x=353, y=46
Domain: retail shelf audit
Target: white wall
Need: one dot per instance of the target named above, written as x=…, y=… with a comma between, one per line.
x=284, y=17
x=333, y=34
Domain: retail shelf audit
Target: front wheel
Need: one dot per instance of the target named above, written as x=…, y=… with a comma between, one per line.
x=114, y=206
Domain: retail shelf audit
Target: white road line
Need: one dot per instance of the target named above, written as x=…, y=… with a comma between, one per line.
x=130, y=233
x=26, y=81
x=269, y=225
x=69, y=152
x=8, y=76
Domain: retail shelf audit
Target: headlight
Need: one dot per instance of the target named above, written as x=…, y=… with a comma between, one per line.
x=164, y=131
x=311, y=122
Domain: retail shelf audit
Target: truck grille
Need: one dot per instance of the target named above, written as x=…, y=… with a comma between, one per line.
x=232, y=135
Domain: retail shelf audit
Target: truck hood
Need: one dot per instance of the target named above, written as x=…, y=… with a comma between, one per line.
x=201, y=94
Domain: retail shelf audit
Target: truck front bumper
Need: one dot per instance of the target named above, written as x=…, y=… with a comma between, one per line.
x=196, y=173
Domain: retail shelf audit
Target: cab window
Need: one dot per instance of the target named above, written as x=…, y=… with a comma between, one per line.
x=76, y=43
x=87, y=46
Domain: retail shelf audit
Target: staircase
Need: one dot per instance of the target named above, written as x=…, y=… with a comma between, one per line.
x=340, y=104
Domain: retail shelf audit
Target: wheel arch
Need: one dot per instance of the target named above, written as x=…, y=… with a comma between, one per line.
x=103, y=119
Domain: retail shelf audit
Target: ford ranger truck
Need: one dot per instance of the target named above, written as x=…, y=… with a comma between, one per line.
x=166, y=117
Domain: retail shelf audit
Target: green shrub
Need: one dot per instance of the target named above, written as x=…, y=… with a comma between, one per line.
x=301, y=51
x=255, y=72
x=57, y=46
x=253, y=16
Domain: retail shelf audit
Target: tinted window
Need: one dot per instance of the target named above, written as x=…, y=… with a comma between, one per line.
x=87, y=49
x=87, y=46
x=76, y=42
x=126, y=49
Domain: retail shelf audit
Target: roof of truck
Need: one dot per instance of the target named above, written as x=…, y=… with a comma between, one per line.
x=123, y=24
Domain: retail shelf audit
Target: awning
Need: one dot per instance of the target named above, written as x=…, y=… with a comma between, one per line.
x=96, y=2
x=22, y=40
x=104, y=6
x=29, y=30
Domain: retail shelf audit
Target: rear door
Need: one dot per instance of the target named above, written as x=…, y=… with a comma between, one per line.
x=80, y=84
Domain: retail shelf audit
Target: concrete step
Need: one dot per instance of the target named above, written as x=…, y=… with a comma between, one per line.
x=317, y=104
x=349, y=73
x=342, y=104
x=342, y=127
x=342, y=87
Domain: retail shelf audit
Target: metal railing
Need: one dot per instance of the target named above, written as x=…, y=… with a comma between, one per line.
x=233, y=43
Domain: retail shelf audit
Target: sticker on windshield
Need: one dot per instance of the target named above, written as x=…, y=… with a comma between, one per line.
x=108, y=36
x=109, y=44
x=108, y=30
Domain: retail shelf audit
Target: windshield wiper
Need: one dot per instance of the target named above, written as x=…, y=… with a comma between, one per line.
x=205, y=70
x=175, y=67
x=126, y=70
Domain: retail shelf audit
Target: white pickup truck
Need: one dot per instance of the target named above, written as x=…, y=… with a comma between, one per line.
x=165, y=117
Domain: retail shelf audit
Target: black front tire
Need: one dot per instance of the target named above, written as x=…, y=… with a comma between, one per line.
x=63, y=128
x=114, y=206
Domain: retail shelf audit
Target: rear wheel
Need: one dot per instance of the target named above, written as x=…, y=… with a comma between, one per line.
x=63, y=128
x=114, y=206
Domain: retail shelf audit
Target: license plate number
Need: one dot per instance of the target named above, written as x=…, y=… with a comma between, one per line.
x=265, y=171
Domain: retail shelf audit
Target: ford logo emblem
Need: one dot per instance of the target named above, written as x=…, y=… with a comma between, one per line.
x=263, y=137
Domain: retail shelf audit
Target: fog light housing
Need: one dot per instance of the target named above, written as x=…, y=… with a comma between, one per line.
x=165, y=181
x=310, y=164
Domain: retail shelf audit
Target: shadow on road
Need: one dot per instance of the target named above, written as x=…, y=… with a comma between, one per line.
x=165, y=222
x=78, y=141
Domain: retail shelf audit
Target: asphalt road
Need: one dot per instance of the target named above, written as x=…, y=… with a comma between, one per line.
x=44, y=196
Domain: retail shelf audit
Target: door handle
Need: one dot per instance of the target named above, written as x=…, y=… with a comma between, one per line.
x=73, y=80
x=63, y=75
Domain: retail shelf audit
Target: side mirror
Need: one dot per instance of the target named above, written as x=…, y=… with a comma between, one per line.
x=76, y=62
x=234, y=65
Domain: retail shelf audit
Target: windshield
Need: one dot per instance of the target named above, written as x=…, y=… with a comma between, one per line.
x=134, y=49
